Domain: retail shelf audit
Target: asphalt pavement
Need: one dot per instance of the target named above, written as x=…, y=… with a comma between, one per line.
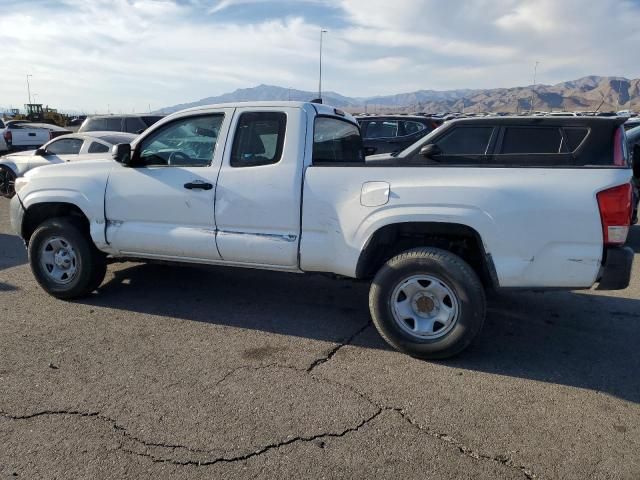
x=189, y=372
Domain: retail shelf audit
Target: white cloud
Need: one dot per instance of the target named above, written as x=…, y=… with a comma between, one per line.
x=129, y=53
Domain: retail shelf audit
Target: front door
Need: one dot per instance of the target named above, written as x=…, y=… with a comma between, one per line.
x=163, y=205
x=259, y=194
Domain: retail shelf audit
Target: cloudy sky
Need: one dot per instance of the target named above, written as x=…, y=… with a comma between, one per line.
x=128, y=54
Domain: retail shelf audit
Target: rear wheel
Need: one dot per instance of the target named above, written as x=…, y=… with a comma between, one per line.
x=64, y=260
x=7, y=182
x=427, y=302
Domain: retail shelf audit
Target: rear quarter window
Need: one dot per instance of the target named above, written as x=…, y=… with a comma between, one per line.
x=336, y=141
x=97, y=147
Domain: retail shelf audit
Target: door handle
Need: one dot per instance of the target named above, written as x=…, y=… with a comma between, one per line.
x=198, y=185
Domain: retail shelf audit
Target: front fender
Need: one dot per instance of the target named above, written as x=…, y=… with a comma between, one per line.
x=92, y=210
x=12, y=166
x=81, y=184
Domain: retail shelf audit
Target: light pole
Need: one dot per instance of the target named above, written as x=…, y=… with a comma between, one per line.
x=29, y=87
x=533, y=89
x=322, y=32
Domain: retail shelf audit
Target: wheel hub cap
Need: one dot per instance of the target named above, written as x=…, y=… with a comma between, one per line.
x=58, y=260
x=424, y=306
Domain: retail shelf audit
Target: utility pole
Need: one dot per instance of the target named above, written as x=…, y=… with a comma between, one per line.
x=322, y=32
x=533, y=89
x=29, y=87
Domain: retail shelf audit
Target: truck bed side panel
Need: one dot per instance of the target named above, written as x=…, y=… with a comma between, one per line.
x=541, y=226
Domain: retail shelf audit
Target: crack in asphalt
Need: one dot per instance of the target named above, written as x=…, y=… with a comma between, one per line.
x=262, y=450
x=379, y=410
x=114, y=424
x=464, y=450
x=335, y=349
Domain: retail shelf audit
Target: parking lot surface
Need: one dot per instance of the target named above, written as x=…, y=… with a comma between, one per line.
x=184, y=372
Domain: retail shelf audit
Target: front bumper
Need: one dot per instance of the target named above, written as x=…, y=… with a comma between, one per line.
x=16, y=215
x=615, y=273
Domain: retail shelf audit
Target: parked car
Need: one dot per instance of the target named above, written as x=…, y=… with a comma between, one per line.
x=67, y=148
x=23, y=134
x=224, y=185
x=632, y=123
x=3, y=143
x=392, y=133
x=633, y=141
x=118, y=123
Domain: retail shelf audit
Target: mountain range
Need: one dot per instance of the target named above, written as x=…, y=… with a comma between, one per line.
x=584, y=94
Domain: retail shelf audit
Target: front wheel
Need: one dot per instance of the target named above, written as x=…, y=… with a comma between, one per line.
x=428, y=303
x=64, y=261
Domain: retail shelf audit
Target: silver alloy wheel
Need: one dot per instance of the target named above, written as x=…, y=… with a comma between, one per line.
x=424, y=306
x=58, y=260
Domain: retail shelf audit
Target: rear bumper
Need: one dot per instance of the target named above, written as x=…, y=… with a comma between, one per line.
x=615, y=273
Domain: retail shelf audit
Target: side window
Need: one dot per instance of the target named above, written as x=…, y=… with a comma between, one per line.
x=411, y=128
x=259, y=139
x=113, y=124
x=133, y=125
x=96, y=125
x=96, y=147
x=531, y=140
x=336, y=141
x=465, y=141
x=382, y=129
x=184, y=142
x=65, y=146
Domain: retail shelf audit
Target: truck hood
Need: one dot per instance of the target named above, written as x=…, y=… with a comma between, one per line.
x=87, y=168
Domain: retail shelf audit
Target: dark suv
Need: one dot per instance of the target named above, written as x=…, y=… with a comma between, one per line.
x=119, y=123
x=520, y=141
x=392, y=133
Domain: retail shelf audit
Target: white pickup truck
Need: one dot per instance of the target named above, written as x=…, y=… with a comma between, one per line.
x=20, y=134
x=478, y=204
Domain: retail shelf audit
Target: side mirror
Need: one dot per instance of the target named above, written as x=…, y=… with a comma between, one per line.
x=41, y=152
x=121, y=153
x=370, y=150
x=430, y=150
x=635, y=161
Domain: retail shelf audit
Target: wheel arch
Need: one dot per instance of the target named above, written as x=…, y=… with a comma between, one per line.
x=461, y=239
x=37, y=213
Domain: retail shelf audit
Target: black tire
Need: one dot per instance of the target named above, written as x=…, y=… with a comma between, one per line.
x=90, y=263
x=7, y=182
x=456, y=275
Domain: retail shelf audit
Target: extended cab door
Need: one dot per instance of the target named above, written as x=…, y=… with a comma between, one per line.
x=259, y=192
x=162, y=206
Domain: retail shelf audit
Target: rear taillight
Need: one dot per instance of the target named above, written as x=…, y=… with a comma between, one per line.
x=618, y=148
x=615, y=213
x=8, y=137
